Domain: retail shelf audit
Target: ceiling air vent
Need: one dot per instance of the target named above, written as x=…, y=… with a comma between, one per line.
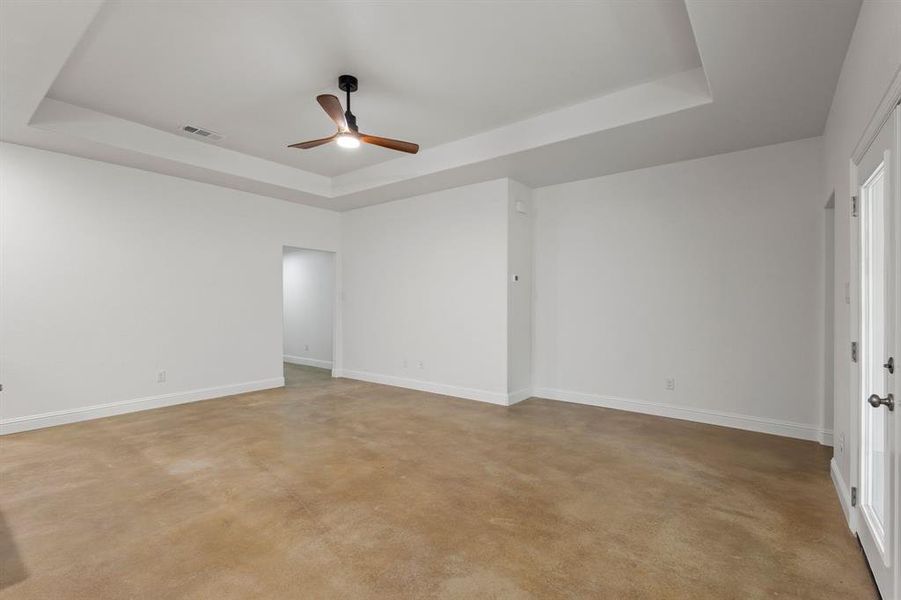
x=200, y=132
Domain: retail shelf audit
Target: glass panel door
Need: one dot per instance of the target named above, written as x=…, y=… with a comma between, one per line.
x=874, y=352
x=877, y=174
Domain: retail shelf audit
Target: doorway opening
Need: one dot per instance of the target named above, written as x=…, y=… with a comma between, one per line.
x=308, y=315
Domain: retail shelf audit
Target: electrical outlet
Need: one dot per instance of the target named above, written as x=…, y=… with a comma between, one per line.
x=670, y=383
x=306, y=347
x=161, y=377
x=419, y=364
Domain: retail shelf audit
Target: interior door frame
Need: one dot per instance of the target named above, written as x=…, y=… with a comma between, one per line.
x=890, y=103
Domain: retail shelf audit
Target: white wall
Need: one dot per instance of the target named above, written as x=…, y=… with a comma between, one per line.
x=425, y=294
x=829, y=313
x=308, y=279
x=873, y=59
x=708, y=271
x=519, y=293
x=109, y=275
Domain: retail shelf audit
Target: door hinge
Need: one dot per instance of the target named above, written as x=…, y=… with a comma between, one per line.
x=854, y=496
x=853, y=206
x=853, y=351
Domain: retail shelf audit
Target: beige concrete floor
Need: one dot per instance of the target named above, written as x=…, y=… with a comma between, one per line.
x=341, y=489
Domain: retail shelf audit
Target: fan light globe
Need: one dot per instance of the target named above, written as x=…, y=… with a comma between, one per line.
x=347, y=140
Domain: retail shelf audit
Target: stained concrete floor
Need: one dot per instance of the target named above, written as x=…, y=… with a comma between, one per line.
x=341, y=489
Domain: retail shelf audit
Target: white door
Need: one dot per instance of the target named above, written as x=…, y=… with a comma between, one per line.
x=877, y=266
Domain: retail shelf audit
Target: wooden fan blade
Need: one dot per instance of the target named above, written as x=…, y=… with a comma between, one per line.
x=375, y=140
x=332, y=106
x=313, y=143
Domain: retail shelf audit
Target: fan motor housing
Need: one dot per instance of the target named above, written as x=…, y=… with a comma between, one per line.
x=347, y=83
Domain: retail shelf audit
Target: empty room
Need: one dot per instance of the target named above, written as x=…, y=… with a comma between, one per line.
x=492, y=299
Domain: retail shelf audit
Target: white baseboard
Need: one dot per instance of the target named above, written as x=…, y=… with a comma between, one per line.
x=427, y=386
x=518, y=396
x=844, y=494
x=309, y=362
x=699, y=415
x=85, y=413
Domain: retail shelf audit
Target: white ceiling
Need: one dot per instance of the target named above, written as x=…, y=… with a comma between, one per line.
x=541, y=91
x=430, y=72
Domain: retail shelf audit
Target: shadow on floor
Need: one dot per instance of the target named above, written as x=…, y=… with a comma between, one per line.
x=12, y=569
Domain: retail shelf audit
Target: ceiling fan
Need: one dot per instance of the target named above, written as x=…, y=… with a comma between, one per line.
x=348, y=135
